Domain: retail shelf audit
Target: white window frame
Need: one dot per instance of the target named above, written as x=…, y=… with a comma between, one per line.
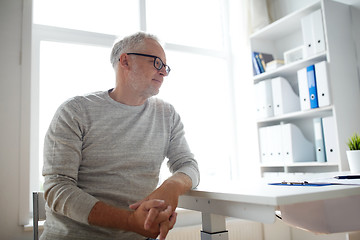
x=25, y=116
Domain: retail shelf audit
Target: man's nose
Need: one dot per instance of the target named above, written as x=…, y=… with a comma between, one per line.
x=163, y=71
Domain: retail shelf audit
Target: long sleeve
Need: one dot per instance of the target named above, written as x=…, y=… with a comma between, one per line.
x=180, y=157
x=62, y=158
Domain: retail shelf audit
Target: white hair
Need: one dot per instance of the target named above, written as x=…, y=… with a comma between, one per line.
x=129, y=44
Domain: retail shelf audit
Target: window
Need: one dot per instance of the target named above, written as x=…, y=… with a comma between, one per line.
x=62, y=77
x=180, y=22
x=203, y=101
x=114, y=17
x=70, y=57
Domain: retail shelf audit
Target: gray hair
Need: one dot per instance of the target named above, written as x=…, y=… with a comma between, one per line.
x=130, y=43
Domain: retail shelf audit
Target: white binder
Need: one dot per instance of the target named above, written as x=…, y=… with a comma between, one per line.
x=296, y=148
x=313, y=34
x=264, y=146
x=330, y=137
x=270, y=144
x=303, y=89
x=319, y=140
x=308, y=36
x=285, y=99
x=284, y=143
x=318, y=31
x=264, y=99
x=322, y=84
x=276, y=143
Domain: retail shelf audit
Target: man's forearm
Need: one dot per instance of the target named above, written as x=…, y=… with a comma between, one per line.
x=180, y=181
x=104, y=215
x=107, y=216
x=172, y=188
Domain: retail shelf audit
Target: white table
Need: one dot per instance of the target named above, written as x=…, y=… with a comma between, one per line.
x=299, y=205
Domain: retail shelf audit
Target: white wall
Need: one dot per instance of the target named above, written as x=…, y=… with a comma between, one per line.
x=10, y=98
x=280, y=8
x=355, y=14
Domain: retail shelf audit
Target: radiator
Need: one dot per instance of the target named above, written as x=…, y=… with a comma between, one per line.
x=238, y=230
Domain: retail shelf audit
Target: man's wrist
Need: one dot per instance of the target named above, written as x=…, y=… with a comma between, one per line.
x=179, y=182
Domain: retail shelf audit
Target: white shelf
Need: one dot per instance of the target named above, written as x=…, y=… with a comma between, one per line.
x=285, y=25
x=300, y=164
x=291, y=68
x=311, y=113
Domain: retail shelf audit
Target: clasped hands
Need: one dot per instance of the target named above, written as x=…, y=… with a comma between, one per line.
x=156, y=213
x=152, y=218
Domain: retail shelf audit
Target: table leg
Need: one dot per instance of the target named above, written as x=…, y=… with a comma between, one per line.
x=214, y=227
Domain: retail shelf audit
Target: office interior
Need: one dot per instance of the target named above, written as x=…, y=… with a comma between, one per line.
x=14, y=67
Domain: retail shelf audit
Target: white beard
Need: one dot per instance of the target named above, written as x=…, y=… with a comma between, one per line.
x=137, y=83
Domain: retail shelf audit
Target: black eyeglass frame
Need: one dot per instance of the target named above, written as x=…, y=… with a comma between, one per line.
x=167, y=68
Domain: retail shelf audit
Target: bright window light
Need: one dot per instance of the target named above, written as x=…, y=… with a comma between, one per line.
x=103, y=16
x=68, y=70
x=202, y=99
x=193, y=23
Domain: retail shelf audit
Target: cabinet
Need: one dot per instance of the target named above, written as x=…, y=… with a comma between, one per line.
x=286, y=34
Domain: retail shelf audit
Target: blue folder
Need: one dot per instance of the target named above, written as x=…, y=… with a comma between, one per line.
x=310, y=70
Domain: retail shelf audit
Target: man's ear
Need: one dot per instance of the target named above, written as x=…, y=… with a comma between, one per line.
x=124, y=60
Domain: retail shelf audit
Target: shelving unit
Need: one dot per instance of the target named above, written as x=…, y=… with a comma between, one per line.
x=289, y=69
x=343, y=80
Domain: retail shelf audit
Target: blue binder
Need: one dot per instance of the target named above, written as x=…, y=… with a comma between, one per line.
x=256, y=67
x=319, y=140
x=310, y=70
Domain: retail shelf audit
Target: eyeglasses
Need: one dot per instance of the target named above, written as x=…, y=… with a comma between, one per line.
x=158, y=63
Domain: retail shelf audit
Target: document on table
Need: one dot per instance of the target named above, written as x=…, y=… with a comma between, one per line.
x=337, y=180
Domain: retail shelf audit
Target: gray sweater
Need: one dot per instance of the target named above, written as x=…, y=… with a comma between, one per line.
x=99, y=149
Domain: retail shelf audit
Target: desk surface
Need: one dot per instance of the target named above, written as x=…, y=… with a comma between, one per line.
x=264, y=194
x=258, y=201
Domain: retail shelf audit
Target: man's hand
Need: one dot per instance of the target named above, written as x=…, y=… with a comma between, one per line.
x=151, y=219
x=162, y=218
x=169, y=191
x=166, y=226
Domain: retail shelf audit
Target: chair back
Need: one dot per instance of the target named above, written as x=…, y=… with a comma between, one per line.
x=38, y=212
